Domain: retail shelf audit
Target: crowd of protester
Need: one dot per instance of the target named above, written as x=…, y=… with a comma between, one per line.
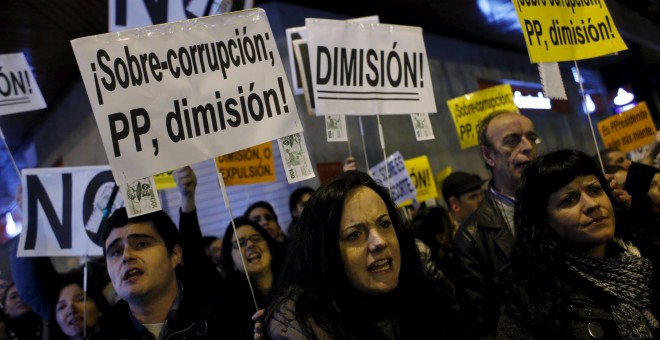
x=563, y=245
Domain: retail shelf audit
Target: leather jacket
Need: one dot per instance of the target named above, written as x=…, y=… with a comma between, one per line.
x=482, y=244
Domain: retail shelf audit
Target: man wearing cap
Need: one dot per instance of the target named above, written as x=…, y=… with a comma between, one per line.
x=484, y=241
x=462, y=192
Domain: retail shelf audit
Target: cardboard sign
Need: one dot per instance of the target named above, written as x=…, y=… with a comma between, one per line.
x=252, y=165
x=175, y=94
x=64, y=208
x=628, y=130
x=19, y=91
x=563, y=30
x=421, y=175
x=362, y=69
x=401, y=186
x=469, y=110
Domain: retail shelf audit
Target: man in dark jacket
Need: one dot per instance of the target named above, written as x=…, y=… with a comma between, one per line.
x=484, y=241
x=142, y=254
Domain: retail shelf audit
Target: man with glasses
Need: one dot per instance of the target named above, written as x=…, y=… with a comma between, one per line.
x=483, y=242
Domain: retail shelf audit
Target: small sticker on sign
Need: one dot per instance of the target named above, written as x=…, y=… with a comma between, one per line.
x=335, y=127
x=295, y=158
x=422, y=126
x=141, y=197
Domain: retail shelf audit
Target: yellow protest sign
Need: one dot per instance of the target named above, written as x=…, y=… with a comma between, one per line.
x=442, y=175
x=252, y=165
x=421, y=175
x=563, y=30
x=629, y=130
x=164, y=180
x=469, y=110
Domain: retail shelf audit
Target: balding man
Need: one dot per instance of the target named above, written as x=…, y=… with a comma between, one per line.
x=483, y=242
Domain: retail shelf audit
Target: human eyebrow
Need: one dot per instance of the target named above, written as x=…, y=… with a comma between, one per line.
x=113, y=243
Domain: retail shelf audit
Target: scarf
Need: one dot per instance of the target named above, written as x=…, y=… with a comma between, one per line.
x=626, y=278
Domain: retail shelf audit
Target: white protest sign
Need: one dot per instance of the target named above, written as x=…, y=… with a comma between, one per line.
x=63, y=209
x=297, y=33
x=175, y=94
x=401, y=186
x=19, y=91
x=368, y=69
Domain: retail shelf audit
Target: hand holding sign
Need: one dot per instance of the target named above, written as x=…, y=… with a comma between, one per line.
x=186, y=181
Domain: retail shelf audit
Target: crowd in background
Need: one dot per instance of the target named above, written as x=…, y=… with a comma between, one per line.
x=557, y=246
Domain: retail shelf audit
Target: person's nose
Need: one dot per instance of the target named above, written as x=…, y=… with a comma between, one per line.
x=527, y=145
x=589, y=203
x=127, y=255
x=376, y=241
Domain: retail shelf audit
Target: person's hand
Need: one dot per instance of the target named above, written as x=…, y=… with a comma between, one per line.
x=350, y=164
x=258, y=319
x=620, y=196
x=186, y=181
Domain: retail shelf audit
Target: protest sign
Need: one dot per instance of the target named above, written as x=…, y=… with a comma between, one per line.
x=175, y=94
x=293, y=34
x=19, y=91
x=252, y=165
x=362, y=69
x=422, y=126
x=298, y=33
x=563, y=30
x=628, y=130
x=401, y=186
x=305, y=71
x=63, y=209
x=421, y=175
x=469, y=110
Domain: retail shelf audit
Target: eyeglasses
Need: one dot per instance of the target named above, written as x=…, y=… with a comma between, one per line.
x=255, y=238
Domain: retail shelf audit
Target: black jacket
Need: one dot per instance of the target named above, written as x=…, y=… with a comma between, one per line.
x=483, y=244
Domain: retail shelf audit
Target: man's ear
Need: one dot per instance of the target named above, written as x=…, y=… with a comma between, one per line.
x=453, y=204
x=176, y=257
x=487, y=155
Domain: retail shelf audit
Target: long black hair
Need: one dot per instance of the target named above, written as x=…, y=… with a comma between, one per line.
x=315, y=279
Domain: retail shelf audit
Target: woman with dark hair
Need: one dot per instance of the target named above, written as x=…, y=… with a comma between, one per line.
x=77, y=313
x=353, y=273
x=263, y=263
x=571, y=276
x=20, y=321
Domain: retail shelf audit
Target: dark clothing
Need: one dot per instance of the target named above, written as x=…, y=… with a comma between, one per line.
x=190, y=321
x=586, y=314
x=26, y=327
x=195, y=317
x=483, y=244
x=238, y=308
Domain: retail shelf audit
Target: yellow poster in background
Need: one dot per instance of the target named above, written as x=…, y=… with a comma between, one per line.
x=469, y=110
x=252, y=165
x=629, y=130
x=421, y=175
x=563, y=30
x=164, y=181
